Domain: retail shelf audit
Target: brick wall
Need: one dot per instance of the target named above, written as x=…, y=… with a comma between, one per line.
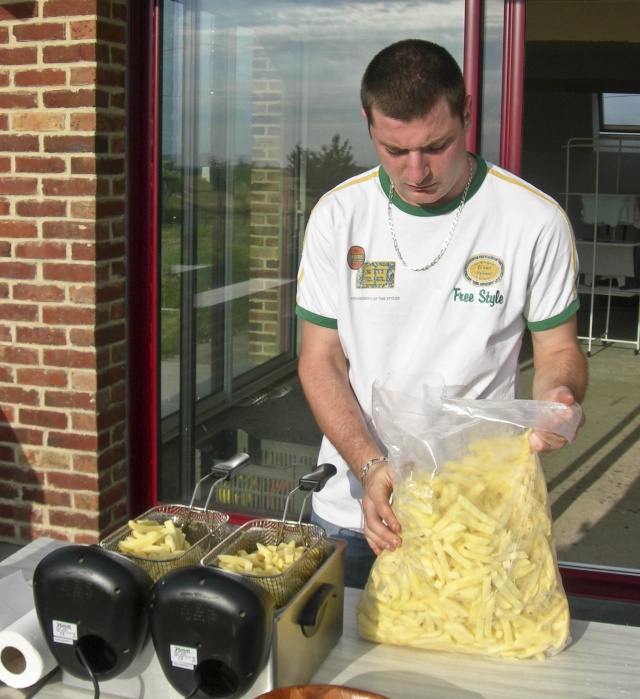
x=62, y=269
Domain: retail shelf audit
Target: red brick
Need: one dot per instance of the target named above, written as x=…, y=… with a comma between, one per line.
x=18, y=185
x=17, y=395
x=68, y=230
x=4, y=125
x=42, y=377
x=6, y=372
x=74, y=53
x=118, y=56
x=110, y=31
x=69, y=399
x=5, y=207
x=72, y=519
x=66, y=315
x=84, y=252
x=65, y=99
x=18, y=56
x=69, y=358
x=82, y=338
x=83, y=165
x=43, y=418
x=18, y=229
x=21, y=476
x=41, y=209
x=68, y=272
x=9, y=491
x=60, y=8
x=83, y=122
x=41, y=336
x=72, y=187
x=19, y=143
x=18, y=312
x=17, y=513
x=39, y=78
x=105, y=209
x=72, y=481
x=83, y=295
x=18, y=10
x=86, y=501
x=69, y=144
x=18, y=100
x=82, y=209
x=17, y=270
x=85, y=463
x=38, y=292
x=84, y=422
x=45, y=31
x=41, y=250
x=56, y=498
x=40, y=164
x=10, y=354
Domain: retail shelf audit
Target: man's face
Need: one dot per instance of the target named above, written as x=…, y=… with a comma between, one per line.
x=426, y=158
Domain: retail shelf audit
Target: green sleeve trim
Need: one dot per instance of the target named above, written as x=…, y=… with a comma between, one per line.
x=556, y=320
x=316, y=319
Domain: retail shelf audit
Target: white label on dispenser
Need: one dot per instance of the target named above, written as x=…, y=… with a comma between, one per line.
x=186, y=658
x=64, y=632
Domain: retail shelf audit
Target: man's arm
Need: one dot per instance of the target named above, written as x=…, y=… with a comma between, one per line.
x=324, y=377
x=560, y=374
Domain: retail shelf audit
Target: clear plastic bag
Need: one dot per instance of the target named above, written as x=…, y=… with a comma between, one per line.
x=477, y=571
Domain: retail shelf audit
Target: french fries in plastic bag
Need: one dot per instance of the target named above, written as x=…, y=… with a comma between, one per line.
x=477, y=570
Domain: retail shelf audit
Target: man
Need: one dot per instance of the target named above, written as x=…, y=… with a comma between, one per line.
x=434, y=262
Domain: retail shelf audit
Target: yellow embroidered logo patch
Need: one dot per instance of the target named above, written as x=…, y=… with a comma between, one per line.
x=484, y=270
x=376, y=275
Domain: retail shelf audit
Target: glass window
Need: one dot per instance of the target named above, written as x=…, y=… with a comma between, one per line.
x=619, y=112
x=260, y=116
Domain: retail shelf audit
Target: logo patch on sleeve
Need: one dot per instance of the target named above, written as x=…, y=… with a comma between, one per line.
x=376, y=275
x=484, y=270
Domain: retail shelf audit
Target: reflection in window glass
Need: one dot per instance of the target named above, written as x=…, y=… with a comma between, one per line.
x=260, y=116
x=619, y=113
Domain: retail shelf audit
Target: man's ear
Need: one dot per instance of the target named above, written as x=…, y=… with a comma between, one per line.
x=364, y=114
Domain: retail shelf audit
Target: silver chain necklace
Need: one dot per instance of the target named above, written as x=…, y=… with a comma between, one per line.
x=451, y=230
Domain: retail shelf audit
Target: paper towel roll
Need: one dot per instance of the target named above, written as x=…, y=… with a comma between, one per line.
x=25, y=657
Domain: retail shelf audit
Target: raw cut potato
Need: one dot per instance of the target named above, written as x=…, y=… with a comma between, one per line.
x=265, y=560
x=477, y=569
x=150, y=539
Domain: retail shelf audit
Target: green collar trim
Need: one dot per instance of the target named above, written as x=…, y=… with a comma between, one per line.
x=478, y=179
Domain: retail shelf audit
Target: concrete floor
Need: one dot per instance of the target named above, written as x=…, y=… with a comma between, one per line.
x=594, y=483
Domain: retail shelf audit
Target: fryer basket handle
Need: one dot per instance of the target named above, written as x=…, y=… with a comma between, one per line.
x=317, y=479
x=228, y=469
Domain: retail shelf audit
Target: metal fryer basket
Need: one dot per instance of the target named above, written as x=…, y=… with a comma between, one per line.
x=268, y=532
x=205, y=528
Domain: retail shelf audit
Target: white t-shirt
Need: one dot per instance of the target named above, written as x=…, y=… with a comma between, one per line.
x=511, y=262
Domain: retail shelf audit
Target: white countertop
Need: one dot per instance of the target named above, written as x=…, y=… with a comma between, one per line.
x=602, y=662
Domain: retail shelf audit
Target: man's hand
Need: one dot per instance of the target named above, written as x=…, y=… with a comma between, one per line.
x=543, y=442
x=381, y=528
x=560, y=375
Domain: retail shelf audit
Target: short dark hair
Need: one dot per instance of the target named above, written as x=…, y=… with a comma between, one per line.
x=407, y=79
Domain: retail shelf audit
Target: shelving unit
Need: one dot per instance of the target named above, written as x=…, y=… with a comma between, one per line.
x=608, y=256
